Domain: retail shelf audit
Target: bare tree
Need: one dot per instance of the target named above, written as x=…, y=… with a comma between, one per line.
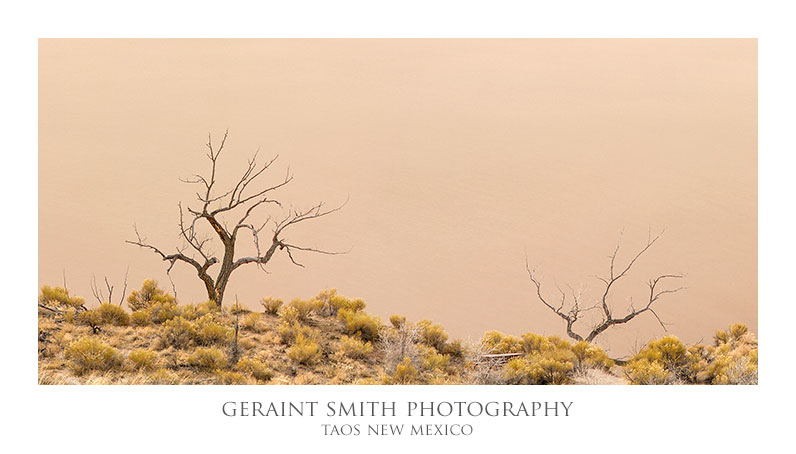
x=238, y=204
x=99, y=294
x=569, y=305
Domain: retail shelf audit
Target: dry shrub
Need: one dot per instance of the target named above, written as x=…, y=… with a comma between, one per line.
x=164, y=377
x=208, y=358
x=432, y=360
x=361, y=324
x=271, y=305
x=228, y=377
x=179, y=333
x=432, y=334
x=354, y=347
x=329, y=303
x=588, y=356
x=404, y=374
x=255, y=368
x=208, y=332
x=251, y=322
x=496, y=342
x=59, y=297
x=549, y=367
x=112, y=314
x=141, y=317
x=89, y=353
x=303, y=309
x=304, y=350
x=148, y=295
x=143, y=358
x=289, y=332
x=195, y=311
x=646, y=372
x=662, y=361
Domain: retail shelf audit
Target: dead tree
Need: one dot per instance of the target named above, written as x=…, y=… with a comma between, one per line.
x=99, y=294
x=573, y=311
x=238, y=205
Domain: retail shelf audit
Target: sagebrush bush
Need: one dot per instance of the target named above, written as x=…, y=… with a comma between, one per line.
x=208, y=332
x=354, y=347
x=455, y=349
x=89, y=353
x=431, y=359
x=251, y=322
x=229, y=377
x=208, y=358
x=499, y=343
x=143, y=358
x=179, y=333
x=288, y=332
x=304, y=350
x=329, y=303
x=141, y=318
x=432, y=334
x=404, y=374
x=547, y=367
x=397, y=321
x=195, y=311
x=271, y=305
x=589, y=356
x=161, y=312
x=668, y=354
x=303, y=309
x=59, y=297
x=646, y=372
x=112, y=314
x=361, y=324
x=149, y=294
x=255, y=368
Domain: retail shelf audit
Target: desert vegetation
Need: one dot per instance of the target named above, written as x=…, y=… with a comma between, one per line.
x=331, y=339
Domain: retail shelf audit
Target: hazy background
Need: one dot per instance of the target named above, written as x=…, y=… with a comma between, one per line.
x=458, y=156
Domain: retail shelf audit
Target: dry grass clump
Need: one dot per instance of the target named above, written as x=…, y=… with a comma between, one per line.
x=271, y=305
x=361, y=324
x=58, y=297
x=147, y=296
x=251, y=322
x=143, y=358
x=207, y=358
x=354, y=348
x=179, y=333
x=89, y=353
x=304, y=350
x=255, y=368
x=405, y=373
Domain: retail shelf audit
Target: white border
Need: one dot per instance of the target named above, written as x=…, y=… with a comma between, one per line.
x=653, y=419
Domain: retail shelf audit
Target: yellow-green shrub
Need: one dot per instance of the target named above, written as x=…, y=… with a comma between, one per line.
x=208, y=358
x=141, y=317
x=547, y=367
x=179, y=332
x=646, y=372
x=89, y=353
x=162, y=312
x=669, y=352
x=59, y=297
x=288, y=332
x=303, y=309
x=195, y=311
x=360, y=323
x=143, y=358
x=496, y=342
x=354, y=347
x=251, y=322
x=112, y=314
x=228, y=377
x=148, y=295
x=208, y=332
x=588, y=356
x=404, y=374
x=455, y=349
x=271, y=305
x=431, y=359
x=397, y=321
x=255, y=368
x=432, y=334
x=303, y=351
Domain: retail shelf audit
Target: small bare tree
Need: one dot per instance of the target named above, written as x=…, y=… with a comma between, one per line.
x=99, y=294
x=569, y=306
x=238, y=203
